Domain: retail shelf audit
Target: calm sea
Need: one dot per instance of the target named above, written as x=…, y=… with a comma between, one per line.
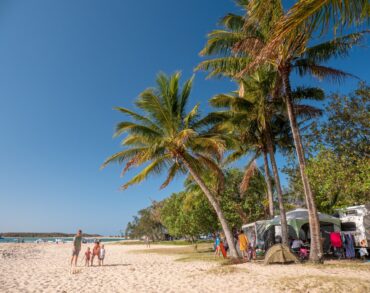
x=52, y=239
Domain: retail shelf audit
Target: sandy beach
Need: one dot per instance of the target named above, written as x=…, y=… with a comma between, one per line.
x=45, y=268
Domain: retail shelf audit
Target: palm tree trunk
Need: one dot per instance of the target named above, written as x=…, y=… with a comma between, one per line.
x=275, y=171
x=268, y=184
x=225, y=227
x=316, y=251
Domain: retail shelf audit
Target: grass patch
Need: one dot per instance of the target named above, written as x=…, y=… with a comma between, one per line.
x=173, y=242
x=133, y=242
x=188, y=253
x=323, y=284
x=224, y=270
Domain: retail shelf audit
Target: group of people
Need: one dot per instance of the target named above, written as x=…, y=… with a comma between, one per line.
x=341, y=245
x=247, y=248
x=97, y=252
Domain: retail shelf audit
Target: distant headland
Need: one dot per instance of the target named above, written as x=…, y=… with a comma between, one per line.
x=43, y=235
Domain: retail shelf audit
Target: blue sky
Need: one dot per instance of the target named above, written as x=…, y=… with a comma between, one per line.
x=63, y=66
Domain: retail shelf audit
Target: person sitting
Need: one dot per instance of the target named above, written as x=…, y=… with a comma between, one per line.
x=296, y=245
x=363, y=249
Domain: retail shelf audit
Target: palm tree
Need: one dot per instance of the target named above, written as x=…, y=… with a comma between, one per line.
x=243, y=45
x=166, y=137
x=258, y=123
x=252, y=112
x=296, y=55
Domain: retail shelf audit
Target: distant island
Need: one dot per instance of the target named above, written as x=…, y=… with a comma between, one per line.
x=43, y=235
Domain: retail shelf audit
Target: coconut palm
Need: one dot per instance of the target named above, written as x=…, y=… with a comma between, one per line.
x=252, y=111
x=296, y=55
x=165, y=137
x=243, y=43
x=258, y=123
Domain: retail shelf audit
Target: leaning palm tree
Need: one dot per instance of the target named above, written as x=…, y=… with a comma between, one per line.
x=165, y=137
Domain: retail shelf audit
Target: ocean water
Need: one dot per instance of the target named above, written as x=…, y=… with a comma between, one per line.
x=53, y=239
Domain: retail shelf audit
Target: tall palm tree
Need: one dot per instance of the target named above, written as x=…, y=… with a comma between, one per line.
x=258, y=123
x=242, y=44
x=292, y=55
x=166, y=137
x=253, y=111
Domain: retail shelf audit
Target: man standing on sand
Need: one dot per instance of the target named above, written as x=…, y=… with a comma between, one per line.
x=76, y=247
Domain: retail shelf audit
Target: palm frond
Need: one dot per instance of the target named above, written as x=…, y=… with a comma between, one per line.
x=322, y=14
x=172, y=172
x=137, y=117
x=232, y=22
x=304, y=66
x=151, y=103
x=207, y=161
x=221, y=42
x=185, y=93
x=184, y=135
x=134, y=128
x=123, y=156
x=231, y=101
x=308, y=93
x=307, y=111
x=154, y=167
x=248, y=174
x=223, y=66
x=192, y=115
x=335, y=48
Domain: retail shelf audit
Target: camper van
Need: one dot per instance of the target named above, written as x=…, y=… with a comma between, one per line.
x=356, y=220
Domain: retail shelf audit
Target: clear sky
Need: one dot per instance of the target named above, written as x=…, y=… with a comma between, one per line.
x=63, y=66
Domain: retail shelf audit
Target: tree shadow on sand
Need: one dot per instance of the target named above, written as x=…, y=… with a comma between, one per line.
x=117, y=265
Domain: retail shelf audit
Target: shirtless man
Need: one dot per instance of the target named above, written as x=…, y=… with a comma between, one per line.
x=76, y=247
x=95, y=252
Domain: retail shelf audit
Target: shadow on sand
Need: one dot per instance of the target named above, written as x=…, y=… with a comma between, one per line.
x=117, y=265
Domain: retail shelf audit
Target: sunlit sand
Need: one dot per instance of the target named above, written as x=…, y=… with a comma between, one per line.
x=45, y=268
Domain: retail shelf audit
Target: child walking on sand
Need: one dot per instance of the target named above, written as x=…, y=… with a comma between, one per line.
x=101, y=255
x=87, y=257
x=217, y=246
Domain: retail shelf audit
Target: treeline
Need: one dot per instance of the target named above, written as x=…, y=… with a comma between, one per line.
x=43, y=235
x=338, y=165
x=188, y=214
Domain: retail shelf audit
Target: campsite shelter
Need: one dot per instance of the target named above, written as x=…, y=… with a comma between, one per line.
x=257, y=231
x=298, y=225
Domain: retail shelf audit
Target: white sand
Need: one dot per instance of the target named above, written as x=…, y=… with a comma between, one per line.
x=45, y=268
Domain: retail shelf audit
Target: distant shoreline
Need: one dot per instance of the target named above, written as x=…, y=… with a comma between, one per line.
x=43, y=235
